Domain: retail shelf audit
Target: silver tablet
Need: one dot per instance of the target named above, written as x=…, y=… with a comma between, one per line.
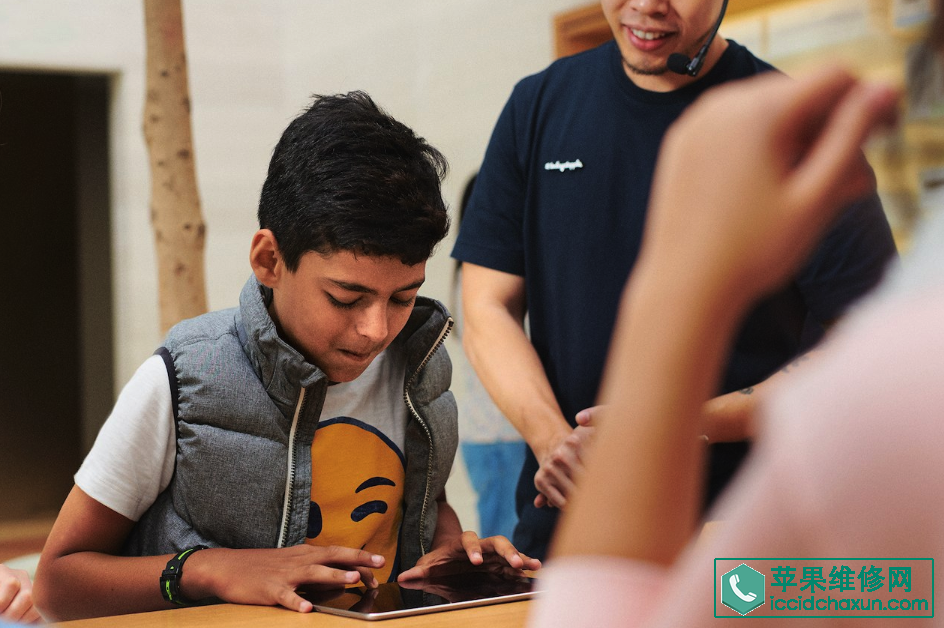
x=447, y=593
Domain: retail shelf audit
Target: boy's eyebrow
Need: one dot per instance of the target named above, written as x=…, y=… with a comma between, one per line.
x=356, y=287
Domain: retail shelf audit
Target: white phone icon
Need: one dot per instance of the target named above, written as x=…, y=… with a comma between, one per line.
x=747, y=597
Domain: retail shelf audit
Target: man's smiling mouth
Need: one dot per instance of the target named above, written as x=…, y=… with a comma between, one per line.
x=647, y=35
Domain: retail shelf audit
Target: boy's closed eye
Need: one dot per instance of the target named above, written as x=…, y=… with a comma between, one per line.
x=338, y=303
x=353, y=293
x=401, y=301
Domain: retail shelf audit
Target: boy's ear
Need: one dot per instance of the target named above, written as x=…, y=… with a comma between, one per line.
x=265, y=258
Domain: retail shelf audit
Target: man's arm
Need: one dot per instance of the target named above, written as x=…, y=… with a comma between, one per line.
x=510, y=370
x=730, y=418
x=80, y=573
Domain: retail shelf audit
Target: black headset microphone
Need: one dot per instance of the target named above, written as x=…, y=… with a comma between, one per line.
x=681, y=64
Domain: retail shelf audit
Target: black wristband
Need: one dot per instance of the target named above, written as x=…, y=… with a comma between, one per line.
x=170, y=577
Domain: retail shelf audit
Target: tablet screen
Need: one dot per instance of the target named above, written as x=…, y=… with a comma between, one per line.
x=422, y=596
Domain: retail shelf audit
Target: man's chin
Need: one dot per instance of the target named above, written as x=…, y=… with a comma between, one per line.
x=658, y=70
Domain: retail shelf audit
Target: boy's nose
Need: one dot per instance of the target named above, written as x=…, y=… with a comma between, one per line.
x=373, y=324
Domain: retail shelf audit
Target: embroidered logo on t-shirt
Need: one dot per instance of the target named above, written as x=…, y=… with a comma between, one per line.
x=563, y=165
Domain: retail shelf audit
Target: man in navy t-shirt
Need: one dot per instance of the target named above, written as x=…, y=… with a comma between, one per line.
x=554, y=226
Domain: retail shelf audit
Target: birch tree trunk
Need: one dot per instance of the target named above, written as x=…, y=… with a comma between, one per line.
x=179, y=230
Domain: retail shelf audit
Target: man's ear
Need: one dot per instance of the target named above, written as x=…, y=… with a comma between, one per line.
x=266, y=259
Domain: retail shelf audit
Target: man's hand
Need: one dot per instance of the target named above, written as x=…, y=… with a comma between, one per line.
x=562, y=463
x=16, y=596
x=270, y=577
x=468, y=552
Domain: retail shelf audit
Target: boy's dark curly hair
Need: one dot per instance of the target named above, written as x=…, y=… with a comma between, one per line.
x=345, y=176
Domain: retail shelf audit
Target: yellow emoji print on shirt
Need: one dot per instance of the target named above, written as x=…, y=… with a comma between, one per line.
x=356, y=491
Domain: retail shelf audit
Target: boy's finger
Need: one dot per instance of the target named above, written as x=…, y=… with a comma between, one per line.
x=472, y=546
x=531, y=564
x=327, y=575
x=513, y=558
x=294, y=602
x=368, y=578
x=502, y=550
x=347, y=557
x=415, y=573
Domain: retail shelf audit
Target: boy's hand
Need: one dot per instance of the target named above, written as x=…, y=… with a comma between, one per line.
x=468, y=552
x=271, y=576
x=16, y=596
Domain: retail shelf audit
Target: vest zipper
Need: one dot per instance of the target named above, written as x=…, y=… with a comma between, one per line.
x=290, y=478
x=429, y=437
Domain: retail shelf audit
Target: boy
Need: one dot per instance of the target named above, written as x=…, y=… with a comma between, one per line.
x=315, y=418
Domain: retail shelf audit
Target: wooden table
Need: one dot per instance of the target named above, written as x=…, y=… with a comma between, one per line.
x=508, y=615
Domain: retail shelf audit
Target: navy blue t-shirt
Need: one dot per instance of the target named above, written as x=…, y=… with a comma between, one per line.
x=561, y=200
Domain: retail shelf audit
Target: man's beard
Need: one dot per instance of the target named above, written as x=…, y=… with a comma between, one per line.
x=634, y=69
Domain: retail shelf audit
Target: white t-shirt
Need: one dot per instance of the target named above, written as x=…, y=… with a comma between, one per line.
x=132, y=459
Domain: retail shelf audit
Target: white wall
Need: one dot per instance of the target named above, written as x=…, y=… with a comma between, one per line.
x=443, y=67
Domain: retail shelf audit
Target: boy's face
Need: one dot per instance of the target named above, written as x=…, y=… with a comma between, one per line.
x=340, y=310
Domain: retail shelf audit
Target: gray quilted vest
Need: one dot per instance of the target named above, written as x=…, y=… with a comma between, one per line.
x=247, y=405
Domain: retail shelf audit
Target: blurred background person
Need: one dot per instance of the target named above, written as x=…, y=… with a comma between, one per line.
x=492, y=449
